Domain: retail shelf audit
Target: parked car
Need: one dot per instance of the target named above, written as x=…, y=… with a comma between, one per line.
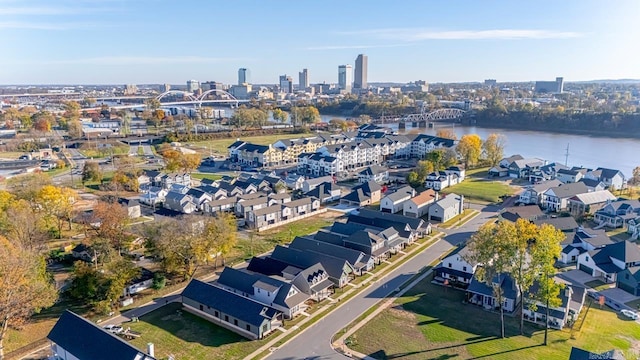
x=115, y=329
x=630, y=314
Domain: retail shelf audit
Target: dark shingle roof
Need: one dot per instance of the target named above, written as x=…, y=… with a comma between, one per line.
x=227, y=302
x=341, y=252
x=87, y=341
x=579, y=354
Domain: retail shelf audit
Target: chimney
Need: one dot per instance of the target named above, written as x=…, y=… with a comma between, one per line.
x=437, y=196
x=151, y=349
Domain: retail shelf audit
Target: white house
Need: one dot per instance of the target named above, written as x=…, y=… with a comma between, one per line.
x=393, y=202
x=533, y=193
x=418, y=206
x=375, y=173
x=455, y=269
x=606, y=262
x=446, y=208
x=557, y=199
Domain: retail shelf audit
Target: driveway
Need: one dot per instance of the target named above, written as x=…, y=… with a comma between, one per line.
x=576, y=277
x=315, y=342
x=619, y=296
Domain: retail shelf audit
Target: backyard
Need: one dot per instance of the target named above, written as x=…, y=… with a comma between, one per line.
x=186, y=336
x=431, y=322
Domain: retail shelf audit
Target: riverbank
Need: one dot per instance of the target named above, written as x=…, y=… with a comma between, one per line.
x=584, y=132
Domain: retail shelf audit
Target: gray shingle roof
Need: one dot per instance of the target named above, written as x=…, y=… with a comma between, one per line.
x=87, y=341
x=227, y=302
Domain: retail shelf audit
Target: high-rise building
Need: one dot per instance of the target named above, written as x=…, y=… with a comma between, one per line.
x=303, y=79
x=360, y=81
x=344, y=77
x=555, y=87
x=193, y=85
x=244, y=76
x=166, y=87
x=130, y=89
x=286, y=84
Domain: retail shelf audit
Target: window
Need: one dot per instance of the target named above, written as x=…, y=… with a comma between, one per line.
x=226, y=318
x=464, y=268
x=586, y=258
x=248, y=327
x=201, y=307
x=235, y=322
x=216, y=314
x=449, y=265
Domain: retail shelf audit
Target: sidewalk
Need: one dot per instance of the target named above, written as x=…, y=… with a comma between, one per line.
x=345, y=294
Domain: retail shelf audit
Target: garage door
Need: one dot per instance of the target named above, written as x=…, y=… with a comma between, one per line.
x=436, y=218
x=386, y=210
x=586, y=269
x=626, y=287
x=410, y=214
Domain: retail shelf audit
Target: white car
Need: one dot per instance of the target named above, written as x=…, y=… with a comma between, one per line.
x=630, y=314
x=115, y=329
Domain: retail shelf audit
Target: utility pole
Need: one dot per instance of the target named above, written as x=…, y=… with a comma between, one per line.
x=566, y=156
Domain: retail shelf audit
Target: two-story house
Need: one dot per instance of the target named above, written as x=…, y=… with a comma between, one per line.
x=589, y=203
x=618, y=213
x=455, y=269
x=393, y=203
x=606, y=262
x=418, y=206
x=374, y=173
x=533, y=194
x=557, y=198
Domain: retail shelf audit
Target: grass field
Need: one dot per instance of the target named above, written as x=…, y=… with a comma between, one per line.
x=206, y=176
x=11, y=155
x=598, y=285
x=220, y=145
x=430, y=322
x=259, y=243
x=186, y=336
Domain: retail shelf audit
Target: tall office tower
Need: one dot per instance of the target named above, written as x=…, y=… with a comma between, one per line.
x=130, y=89
x=244, y=76
x=166, y=87
x=303, y=79
x=193, y=85
x=360, y=81
x=344, y=77
x=286, y=84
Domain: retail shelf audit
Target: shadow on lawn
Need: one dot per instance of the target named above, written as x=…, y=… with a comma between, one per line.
x=173, y=319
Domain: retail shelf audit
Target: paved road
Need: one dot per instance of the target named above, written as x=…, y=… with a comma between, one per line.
x=315, y=342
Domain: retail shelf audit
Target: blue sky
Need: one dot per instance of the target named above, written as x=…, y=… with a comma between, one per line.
x=158, y=41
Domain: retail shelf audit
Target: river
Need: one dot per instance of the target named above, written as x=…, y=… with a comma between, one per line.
x=584, y=150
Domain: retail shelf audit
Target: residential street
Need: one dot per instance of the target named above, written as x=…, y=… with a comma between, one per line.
x=315, y=342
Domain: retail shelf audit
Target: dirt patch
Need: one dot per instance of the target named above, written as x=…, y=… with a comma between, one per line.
x=400, y=313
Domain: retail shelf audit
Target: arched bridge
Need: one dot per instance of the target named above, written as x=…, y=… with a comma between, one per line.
x=424, y=116
x=188, y=99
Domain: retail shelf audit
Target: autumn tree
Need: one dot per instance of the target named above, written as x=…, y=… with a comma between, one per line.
x=91, y=172
x=522, y=271
x=176, y=160
x=43, y=121
x=280, y=115
x=545, y=251
x=74, y=128
x=25, y=287
x=111, y=220
x=469, y=149
x=25, y=228
x=490, y=248
x=424, y=168
x=222, y=231
x=493, y=148
x=635, y=177
x=446, y=133
x=56, y=204
x=28, y=186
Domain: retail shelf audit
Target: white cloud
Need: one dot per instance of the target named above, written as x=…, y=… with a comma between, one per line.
x=418, y=34
x=144, y=60
x=51, y=10
x=346, y=47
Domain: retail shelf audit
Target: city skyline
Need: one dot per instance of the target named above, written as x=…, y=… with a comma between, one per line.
x=142, y=42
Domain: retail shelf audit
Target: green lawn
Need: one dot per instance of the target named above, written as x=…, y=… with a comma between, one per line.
x=187, y=336
x=12, y=155
x=598, y=285
x=262, y=242
x=206, y=176
x=220, y=145
x=480, y=189
x=117, y=148
x=431, y=322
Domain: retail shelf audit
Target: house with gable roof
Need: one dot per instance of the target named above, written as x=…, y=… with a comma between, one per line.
x=619, y=213
x=455, y=269
x=235, y=312
x=278, y=294
x=418, y=206
x=363, y=194
x=533, y=194
x=606, y=262
x=76, y=338
x=572, y=299
x=312, y=280
x=613, y=179
x=557, y=198
x=393, y=203
x=581, y=241
x=481, y=294
x=446, y=208
x=589, y=203
x=374, y=173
